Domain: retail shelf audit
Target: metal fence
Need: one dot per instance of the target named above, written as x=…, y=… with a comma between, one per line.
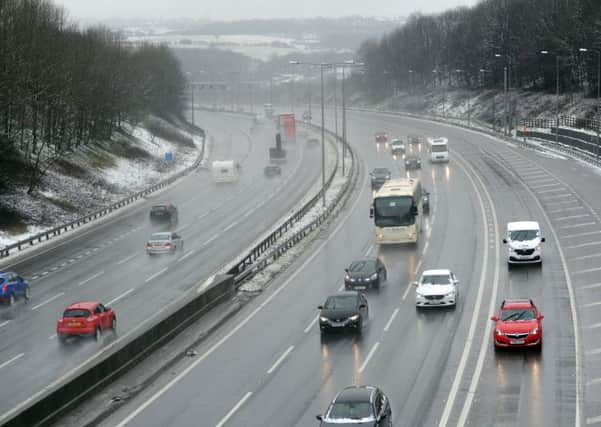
x=57, y=231
x=258, y=258
x=564, y=121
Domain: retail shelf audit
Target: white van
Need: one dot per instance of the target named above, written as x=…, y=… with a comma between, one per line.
x=439, y=149
x=523, y=240
x=225, y=171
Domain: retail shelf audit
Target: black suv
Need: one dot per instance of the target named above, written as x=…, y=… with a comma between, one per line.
x=358, y=405
x=343, y=310
x=164, y=213
x=378, y=177
x=365, y=273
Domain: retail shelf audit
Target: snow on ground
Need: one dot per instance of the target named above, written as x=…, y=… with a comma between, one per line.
x=95, y=177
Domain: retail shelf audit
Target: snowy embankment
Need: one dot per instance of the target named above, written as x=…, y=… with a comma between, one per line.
x=98, y=175
x=260, y=280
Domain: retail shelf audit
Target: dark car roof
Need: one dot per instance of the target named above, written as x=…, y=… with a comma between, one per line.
x=356, y=394
x=381, y=171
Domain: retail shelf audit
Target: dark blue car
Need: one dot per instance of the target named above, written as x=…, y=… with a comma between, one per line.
x=13, y=286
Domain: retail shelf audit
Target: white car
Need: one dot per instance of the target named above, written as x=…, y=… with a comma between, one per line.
x=165, y=242
x=523, y=241
x=436, y=288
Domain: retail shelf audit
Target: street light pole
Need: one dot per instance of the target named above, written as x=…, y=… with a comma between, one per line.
x=323, y=144
x=335, y=103
x=343, y=123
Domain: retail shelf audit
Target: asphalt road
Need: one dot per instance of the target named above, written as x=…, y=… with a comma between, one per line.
x=108, y=262
x=269, y=366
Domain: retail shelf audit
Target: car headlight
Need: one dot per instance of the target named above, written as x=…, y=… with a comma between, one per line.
x=534, y=331
x=373, y=276
x=352, y=279
x=450, y=294
x=538, y=248
x=347, y=277
x=323, y=319
x=354, y=318
x=419, y=294
x=499, y=332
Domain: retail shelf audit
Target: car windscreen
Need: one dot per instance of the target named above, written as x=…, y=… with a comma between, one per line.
x=393, y=211
x=341, y=302
x=351, y=411
x=522, y=235
x=381, y=171
x=158, y=209
x=76, y=312
x=2, y=280
x=436, y=279
x=439, y=148
x=365, y=266
x=517, y=314
x=160, y=236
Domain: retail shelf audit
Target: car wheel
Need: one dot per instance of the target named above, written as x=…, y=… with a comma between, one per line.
x=11, y=299
x=97, y=334
x=27, y=293
x=114, y=324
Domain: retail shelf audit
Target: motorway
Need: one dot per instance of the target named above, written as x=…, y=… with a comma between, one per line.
x=107, y=262
x=268, y=365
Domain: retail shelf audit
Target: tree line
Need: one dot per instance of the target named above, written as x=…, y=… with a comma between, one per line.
x=472, y=47
x=62, y=87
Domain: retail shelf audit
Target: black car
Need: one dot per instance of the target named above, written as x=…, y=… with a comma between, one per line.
x=364, y=405
x=164, y=213
x=379, y=176
x=413, y=161
x=367, y=273
x=425, y=201
x=343, y=310
x=272, y=170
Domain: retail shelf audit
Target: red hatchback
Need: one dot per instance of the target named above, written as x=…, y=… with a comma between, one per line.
x=86, y=318
x=381, y=137
x=518, y=324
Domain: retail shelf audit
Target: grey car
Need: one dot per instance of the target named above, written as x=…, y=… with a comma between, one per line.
x=378, y=177
x=165, y=242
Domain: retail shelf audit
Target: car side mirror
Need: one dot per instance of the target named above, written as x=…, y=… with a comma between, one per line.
x=414, y=283
x=505, y=241
x=319, y=417
x=362, y=306
x=346, y=270
x=320, y=307
x=414, y=210
x=541, y=316
x=371, y=212
x=456, y=282
x=542, y=239
x=494, y=318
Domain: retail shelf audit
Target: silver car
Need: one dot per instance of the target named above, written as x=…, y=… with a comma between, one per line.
x=165, y=242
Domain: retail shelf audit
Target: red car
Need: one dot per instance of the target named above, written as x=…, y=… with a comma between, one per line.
x=518, y=324
x=381, y=137
x=86, y=318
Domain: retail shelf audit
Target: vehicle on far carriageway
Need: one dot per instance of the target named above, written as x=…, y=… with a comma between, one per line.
x=397, y=211
x=85, y=319
x=163, y=213
x=166, y=242
x=381, y=137
x=343, y=310
x=13, y=286
x=518, y=324
x=359, y=405
x=272, y=170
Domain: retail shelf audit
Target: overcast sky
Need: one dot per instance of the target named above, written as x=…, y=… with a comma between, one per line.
x=243, y=9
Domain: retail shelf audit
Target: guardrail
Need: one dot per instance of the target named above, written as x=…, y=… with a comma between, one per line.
x=248, y=265
x=58, y=230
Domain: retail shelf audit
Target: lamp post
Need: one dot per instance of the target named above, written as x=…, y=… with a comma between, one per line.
x=557, y=57
x=598, y=52
x=483, y=72
x=344, y=66
x=469, y=111
x=506, y=86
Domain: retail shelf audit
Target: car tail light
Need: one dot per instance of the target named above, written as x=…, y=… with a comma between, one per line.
x=168, y=244
x=148, y=244
x=4, y=288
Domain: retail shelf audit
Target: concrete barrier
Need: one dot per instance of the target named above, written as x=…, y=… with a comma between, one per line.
x=67, y=394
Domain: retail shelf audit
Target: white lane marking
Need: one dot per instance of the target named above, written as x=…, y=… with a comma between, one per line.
x=210, y=240
x=593, y=420
x=584, y=224
x=565, y=202
x=590, y=233
x=51, y=337
x=368, y=358
x=593, y=352
x=394, y=314
x=369, y=249
x=129, y=258
x=201, y=216
x=280, y=360
x=540, y=179
x=89, y=279
x=409, y=286
x=155, y=275
x=186, y=255
x=35, y=277
x=563, y=218
x=593, y=326
x=6, y=322
x=475, y=314
x=558, y=195
x=551, y=190
x=341, y=288
x=249, y=212
x=583, y=245
x=588, y=270
x=8, y=362
x=232, y=411
x=594, y=381
x=573, y=208
x=554, y=184
x=247, y=319
x=578, y=258
x=183, y=227
x=310, y=325
x=206, y=283
x=123, y=295
x=49, y=300
x=229, y=227
x=591, y=304
x=419, y=264
x=594, y=285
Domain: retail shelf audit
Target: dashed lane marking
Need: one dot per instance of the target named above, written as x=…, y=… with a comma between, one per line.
x=123, y=295
x=155, y=275
x=593, y=420
x=89, y=279
x=593, y=352
x=591, y=304
x=584, y=224
x=590, y=233
x=583, y=245
x=129, y=258
x=280, y=360
x=6, y=322
x=189, y=253
x=49, y=300
x=591, y=286
x=555, y=184
x=51, y=337
x=230, y=413
x=550, y=190
x=563, y=218
x=589, y=270
x=368, y=358
x=579, y=258
x=310, y=325
x=8, y=362
x=392, y=317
